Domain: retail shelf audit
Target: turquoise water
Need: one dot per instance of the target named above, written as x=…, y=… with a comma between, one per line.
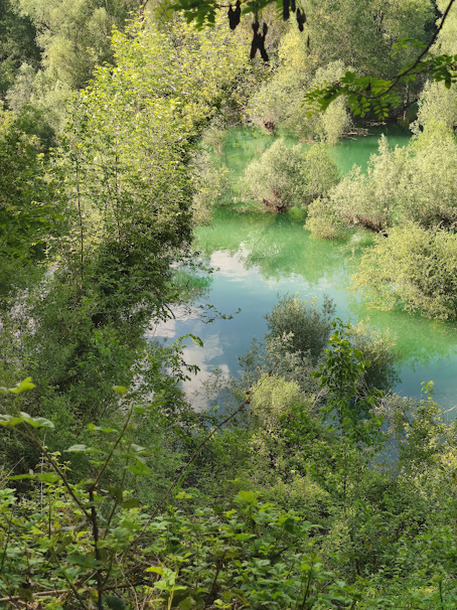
x=242, y=144
x=259, y=257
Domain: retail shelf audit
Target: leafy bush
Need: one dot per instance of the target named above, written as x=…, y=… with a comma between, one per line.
x=399, y=185
x=210, y=182
x=348, y=401
x=323, y=221
x=414, y=267
x=27, y=218
x=308, y=326
x=290, y=176
x=67, y=543
x=370, y=199
x=298, y=333
x=279, y=101
x=269, y=106
x=437, y=104
x=335, y=120
x=427, y=190
x=275, y=179
x=385, y=537
x=273, y=398
x=321, y=172
x=377, y=350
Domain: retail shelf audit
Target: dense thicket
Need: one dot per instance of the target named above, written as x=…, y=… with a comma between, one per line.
x=321, y=489
x=284, y=177
x=105, y=215
x=309, y=511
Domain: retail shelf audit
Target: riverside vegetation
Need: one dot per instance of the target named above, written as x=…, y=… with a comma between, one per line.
x=319, y=488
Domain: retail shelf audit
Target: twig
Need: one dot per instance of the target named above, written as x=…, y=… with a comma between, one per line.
x=5, y=548
x=11, y=470
x=70, y=584
x=110, y=454
x=39, y=594
x=55, y=466
x=180, y=477
x=98, y=574
x=419, y=58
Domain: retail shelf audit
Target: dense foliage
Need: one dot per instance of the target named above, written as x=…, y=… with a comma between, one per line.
x=284, y=177
x=319, y=488
x=309, y=514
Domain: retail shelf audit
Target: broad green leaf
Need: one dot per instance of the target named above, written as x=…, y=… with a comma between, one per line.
x=47, y=477
x=35, y=422
x=139, y=468
x=247, y=497
x=19, y=477
x=10, y=421
x=130, y=503
x=38, y=422
x=138, y=448
x=23, y=386
x=94, y=428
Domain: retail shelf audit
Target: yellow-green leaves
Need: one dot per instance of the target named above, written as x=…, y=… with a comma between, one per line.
x=23, y=386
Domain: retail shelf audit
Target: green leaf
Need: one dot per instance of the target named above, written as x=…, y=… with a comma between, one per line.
x=130, y=503
x=84, y=561
x=183, y=495
x=139, y=468
x=19, y=477
x=23, y=386
x=247, y=497
x=140, y=410
x=38, y=422
x=9, y=421
x=120, y=389
x=155, y=569
x=81, y=448
x=13, y=420
x=116, y=492
x=47, y=477
x=94, y=428
x=138, y=448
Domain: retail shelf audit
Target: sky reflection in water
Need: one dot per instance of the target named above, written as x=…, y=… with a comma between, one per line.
x=261, y=257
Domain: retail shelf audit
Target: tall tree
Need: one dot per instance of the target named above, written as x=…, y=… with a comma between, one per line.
x=75, y=34
x=17, y=44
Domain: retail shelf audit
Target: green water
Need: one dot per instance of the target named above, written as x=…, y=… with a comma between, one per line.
x=243, y=144
x=259, y=257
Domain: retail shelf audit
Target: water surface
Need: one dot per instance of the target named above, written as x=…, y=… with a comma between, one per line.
x=259, y=257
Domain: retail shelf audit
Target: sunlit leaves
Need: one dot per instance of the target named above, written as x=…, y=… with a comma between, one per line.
x=203, y=12
x=414, y=267
x=348, y=402
x=120, y=389
x=379, y=96
x=10, y=421
x=23, y=386
x=363, y=95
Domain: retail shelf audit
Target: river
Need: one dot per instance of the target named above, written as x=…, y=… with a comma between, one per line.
x=259, y=257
